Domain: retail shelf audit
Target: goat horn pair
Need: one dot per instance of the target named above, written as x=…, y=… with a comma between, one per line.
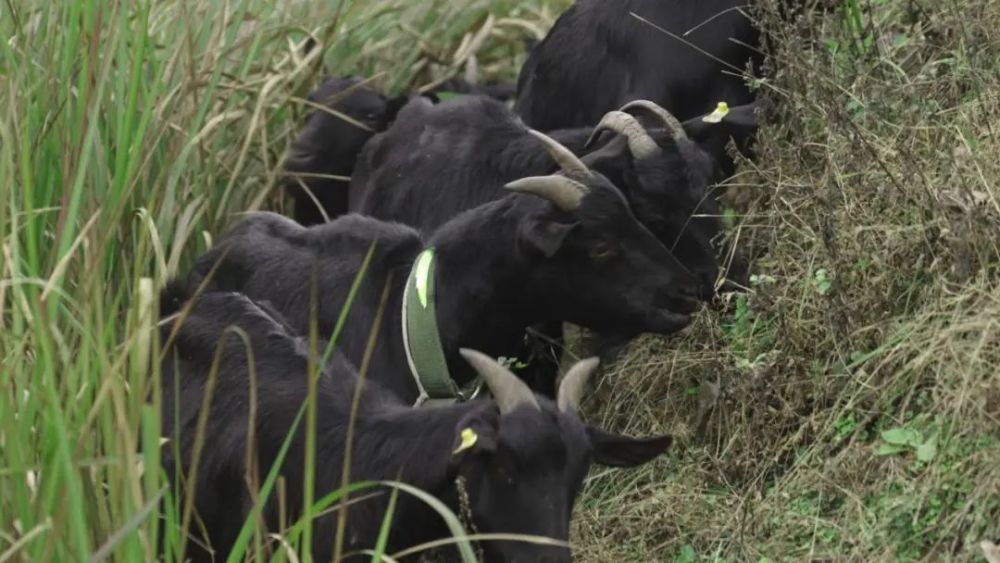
x=566, y=191
x=640, y=144
x=624, y=122
x=654, y=110
x=510, y=392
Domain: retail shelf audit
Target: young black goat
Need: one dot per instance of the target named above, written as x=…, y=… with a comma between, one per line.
x=568, y=248
x=598, y=56
x=519, y=459
x=321, y=159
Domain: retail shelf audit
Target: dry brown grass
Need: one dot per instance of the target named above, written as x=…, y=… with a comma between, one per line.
x=873, y=214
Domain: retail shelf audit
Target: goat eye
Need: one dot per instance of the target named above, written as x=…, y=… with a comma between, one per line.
x=602, y=252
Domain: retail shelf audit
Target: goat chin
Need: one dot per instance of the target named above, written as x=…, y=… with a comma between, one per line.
x=662, y=321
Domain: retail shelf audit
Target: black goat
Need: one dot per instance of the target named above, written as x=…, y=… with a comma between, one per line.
x=321, y=159
x=598, y=56
x=572, y=250
x=518, y=460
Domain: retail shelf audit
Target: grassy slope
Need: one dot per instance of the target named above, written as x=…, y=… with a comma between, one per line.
x=858, y=412
x=128, y=139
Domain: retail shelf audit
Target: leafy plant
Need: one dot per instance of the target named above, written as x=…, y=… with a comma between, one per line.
x=903, y=439
x=821, y=281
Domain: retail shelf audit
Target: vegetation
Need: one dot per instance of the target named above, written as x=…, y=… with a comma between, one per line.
x=846, y=407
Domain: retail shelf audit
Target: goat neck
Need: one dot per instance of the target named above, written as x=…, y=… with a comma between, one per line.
x=522, y=155
x=482, y=301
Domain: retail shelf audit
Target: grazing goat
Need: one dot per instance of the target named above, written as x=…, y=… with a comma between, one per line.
x=567, y=247
x=321, y=159
x=235, y=378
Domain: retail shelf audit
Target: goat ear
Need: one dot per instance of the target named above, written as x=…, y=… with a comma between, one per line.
x=739, y=123
x=393, y=105
x=476, y=431
x=546, y=237
x=615, y=450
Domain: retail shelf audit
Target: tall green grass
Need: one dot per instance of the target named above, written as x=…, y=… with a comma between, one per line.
x=131, y=133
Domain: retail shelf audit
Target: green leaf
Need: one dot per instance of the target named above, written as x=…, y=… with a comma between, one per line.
x=378, y=554
x=730, y=217
x=822, y=281
x=686, y=555
x=845, y=425
x=903, y=437
x=928, y=450
x=450, y=519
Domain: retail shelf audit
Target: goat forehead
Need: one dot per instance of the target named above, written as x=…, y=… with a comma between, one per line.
x=529, y=434
x=363, y=102
x=605, y=205
x=329, y=89
x=543, y=438
x=349, y=103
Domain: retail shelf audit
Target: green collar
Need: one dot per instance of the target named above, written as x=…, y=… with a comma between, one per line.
x=422, y=342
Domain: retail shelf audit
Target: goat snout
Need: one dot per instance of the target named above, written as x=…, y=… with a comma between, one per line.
x=682, y=299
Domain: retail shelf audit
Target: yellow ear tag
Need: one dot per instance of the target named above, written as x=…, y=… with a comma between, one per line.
x=469, y=438
x=423, y=270
x=716, y=116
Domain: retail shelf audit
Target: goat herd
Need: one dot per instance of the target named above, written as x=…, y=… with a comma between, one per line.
x=429, y=236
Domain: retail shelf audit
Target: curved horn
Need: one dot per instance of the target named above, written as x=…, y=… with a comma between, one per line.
x=565, y=193
x=667, y=119
x=573, y=383
x=508, y=391
x=567, y=161
x=640, y=144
